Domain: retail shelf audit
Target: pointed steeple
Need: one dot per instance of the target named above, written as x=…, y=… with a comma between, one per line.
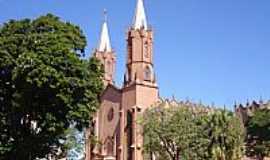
x=105, y=43
x=139, y=20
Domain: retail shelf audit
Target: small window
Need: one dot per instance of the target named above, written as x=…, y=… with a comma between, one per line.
x=145, y=50
x=108, y=67
x=147, y=74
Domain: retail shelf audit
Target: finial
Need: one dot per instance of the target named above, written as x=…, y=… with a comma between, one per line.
x=187, y=99
x=235, y=104
x=261, y=100
x=247, y=103
x=105, y=15
x=173, y=97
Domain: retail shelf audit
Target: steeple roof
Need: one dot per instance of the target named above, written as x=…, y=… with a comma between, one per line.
x=105, y=43
x=139, y=20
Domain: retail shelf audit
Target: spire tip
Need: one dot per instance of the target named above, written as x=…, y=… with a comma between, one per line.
x=140, y=21
x=105, y=44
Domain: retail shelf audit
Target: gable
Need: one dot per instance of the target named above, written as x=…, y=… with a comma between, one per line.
x=108, y=114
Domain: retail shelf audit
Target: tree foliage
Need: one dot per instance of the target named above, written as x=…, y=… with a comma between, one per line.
x=225, y=133
x=178, y=132
x=258, y=134
x=45, y=85
x=171, y=131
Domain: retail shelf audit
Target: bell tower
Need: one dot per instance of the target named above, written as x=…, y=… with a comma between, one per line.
x=139, y=66
x=106, y=54
x=140, y=90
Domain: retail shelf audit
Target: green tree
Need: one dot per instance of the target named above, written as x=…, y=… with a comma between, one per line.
x=185, y=132
x=226, y=136
x=173, y=133
x=258, y=134
x=45, y=86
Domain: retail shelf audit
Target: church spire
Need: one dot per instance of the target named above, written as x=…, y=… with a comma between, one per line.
x=104, y=44
x=105, y=54
x=139, y=20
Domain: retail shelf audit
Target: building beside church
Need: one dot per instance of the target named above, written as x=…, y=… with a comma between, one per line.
x=118, y=134
x=247, y=111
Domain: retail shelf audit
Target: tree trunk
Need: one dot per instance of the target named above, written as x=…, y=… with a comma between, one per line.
x=177, y=155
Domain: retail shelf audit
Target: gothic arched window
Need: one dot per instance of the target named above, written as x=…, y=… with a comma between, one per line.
x=110, y=146
x=147, y=73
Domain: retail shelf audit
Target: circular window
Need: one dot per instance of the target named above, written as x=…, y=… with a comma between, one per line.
x=110, y=114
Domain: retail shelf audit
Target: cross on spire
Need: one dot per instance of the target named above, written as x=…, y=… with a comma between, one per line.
x=139, y=20
x=105, y=15
x=105, y=43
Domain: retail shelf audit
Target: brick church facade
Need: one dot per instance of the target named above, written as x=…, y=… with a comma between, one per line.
x=119, y=136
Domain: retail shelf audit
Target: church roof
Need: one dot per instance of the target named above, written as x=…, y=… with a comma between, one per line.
x=109, y=87
x=104, y=43
x=139, y=20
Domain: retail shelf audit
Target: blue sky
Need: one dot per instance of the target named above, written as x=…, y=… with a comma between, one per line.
x=209, y=50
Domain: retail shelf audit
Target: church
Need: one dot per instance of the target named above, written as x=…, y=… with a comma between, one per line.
x=118, y=135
